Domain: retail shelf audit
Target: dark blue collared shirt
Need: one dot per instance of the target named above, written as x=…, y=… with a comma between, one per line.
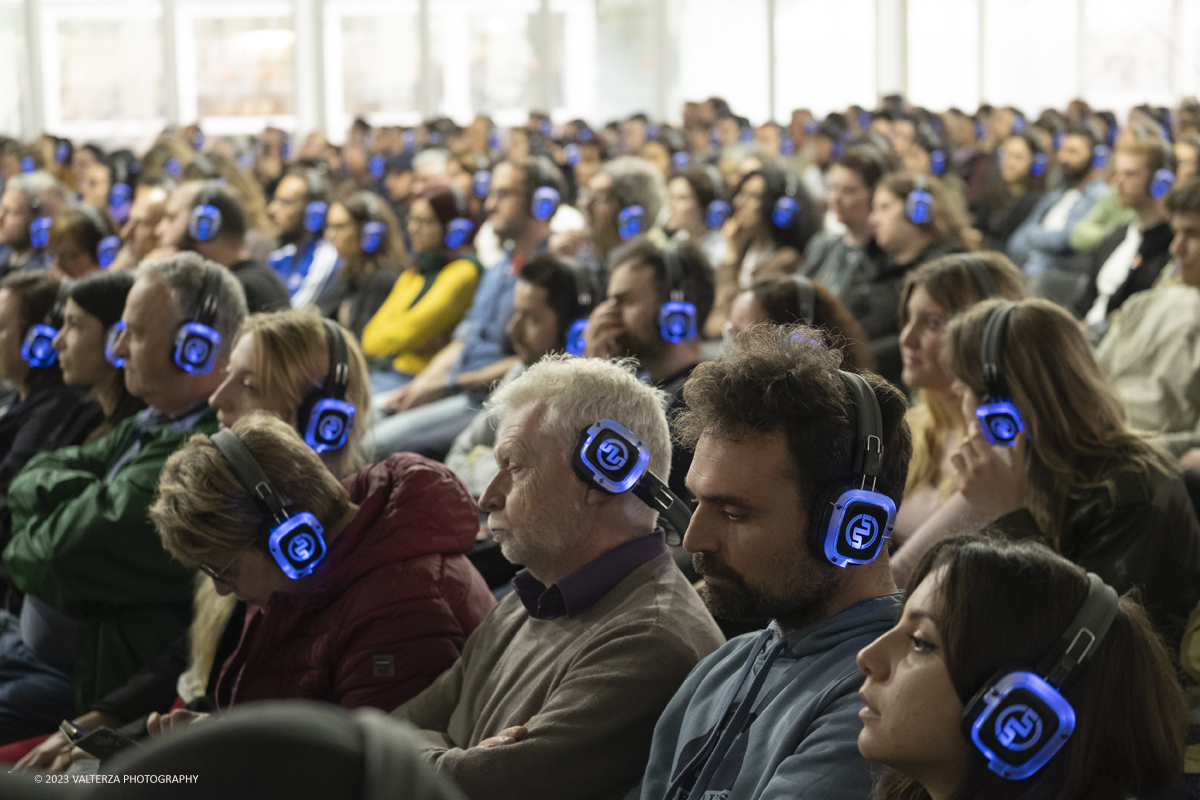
x=577, y=592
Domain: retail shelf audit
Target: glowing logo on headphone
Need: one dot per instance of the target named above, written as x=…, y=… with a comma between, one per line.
x=1018, y=728
x=196, y=351
x=301, y=548
x=1002, y=427
x=332, y=427
x=862, y=532
x=613, y=454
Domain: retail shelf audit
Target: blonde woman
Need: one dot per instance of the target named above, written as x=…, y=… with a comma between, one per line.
x=931, y=295
x=278, y=361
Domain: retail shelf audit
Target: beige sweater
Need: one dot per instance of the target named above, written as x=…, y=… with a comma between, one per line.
x=590, y=689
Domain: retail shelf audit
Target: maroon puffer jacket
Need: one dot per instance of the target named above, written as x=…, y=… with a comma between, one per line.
x=390, y=609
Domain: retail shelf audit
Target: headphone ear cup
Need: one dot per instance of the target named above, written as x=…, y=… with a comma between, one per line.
x=918, y=206
x=545, y=203
x=854, y=524
x=677, y=321
x=1161, y=183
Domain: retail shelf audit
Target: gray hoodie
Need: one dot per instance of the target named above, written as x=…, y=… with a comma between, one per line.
x=797, y=737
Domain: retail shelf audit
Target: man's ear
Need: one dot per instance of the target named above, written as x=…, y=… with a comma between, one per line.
x=595, y=497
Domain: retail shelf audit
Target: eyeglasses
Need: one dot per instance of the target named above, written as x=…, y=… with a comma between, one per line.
x=219, y=574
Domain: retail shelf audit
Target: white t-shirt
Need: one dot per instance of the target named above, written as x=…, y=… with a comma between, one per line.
x=1056, y=217
x=1113, y=273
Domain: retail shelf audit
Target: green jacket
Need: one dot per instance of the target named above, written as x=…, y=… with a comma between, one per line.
x=87, y=548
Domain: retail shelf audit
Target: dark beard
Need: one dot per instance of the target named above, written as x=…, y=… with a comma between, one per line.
x=802, y=602
x=1074, y=177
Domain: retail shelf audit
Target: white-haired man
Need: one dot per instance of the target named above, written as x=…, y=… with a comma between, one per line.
x=26, y=198
x=557, y=692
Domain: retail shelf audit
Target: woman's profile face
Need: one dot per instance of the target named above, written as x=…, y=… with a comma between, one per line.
x=683, y=210
x=342, y=231
x=911, y=712
x=241, y=391
x=1016, y=159
x=424, y=229
x=921, y=343
x=893, y=230
x=747, y=204
x=80, y=345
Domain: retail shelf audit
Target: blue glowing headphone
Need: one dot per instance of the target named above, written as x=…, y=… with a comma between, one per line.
x=610, y=457
x=28, y=165
x=376, y=167
x=1100, y=154
x=109, y=244
x=205, y=221
x=197, y=342
x=325, y=417
x=110, y=343
x=481, y=183
x=998, y=416
x=460, y=228
x=573, y=156
x=717, y=212
x=787, y=208
x=39, y=229
x=38, y=348
x=918, y=206
x=1020, y=719
x=1164, y=178
x=316, y=208
x=374, y=231
x=681, y=159
x=295, y=539
x=546, y=198
x=677, y=318
x=853, y=521
x=631, y=220
x=937, y=161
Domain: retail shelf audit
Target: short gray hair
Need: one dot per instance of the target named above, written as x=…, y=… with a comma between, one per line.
x=183, y=276
x=434, y=157
x=49, y=190
x=581, y=391
x=638, y=183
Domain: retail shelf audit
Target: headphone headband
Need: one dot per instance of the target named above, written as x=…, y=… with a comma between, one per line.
x=250, y=474
x=338, y=376
x=1078, y=642
x=994, y=334
x=673, y=270
x=983, y=277
x=868, y=421
x=210, y=296
x=807, y=297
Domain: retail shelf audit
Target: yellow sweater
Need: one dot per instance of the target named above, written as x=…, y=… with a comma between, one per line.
x=405, y=325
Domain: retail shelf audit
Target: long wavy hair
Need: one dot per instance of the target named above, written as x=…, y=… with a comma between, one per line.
x=1075, y=419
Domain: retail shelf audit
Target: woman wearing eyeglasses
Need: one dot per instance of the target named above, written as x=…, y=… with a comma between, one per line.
x=973, y=694
x=429, y=298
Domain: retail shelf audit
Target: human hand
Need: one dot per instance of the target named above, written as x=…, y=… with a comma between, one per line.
x=158, y=724
x=604, y=326
x=568, y=243
x=45, y=755
x=733, y=234
x=1190, y=459
x=505, y=737
x=992, y=485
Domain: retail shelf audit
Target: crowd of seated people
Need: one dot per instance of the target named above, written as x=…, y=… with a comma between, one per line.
x=645, y=460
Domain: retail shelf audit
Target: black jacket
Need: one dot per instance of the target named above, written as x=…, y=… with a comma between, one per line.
x=875, y=303
x=1151, y=257
x=998, y=220
x=1144, y=534
x=264, y=290
x=364, y=296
